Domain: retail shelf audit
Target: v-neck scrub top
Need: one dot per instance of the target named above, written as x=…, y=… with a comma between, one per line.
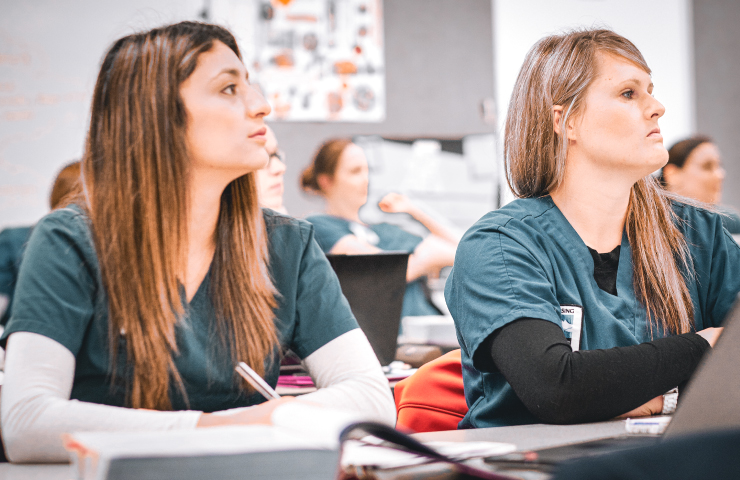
x=60, y=295
x=526, y=261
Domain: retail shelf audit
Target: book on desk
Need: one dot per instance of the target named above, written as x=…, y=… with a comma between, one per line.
x=306, y=442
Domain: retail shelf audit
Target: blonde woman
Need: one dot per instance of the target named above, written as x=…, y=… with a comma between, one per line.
x=596, y=292
x=134, y=304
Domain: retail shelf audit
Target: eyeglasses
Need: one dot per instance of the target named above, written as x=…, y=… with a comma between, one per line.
x=278, y=155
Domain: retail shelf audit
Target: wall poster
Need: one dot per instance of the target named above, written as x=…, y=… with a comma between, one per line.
x=317, y=60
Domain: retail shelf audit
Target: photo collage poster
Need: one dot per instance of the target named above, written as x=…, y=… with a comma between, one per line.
x=318, y=60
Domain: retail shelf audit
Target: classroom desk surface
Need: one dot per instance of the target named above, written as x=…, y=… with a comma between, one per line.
x=532, y=437
x=526, y=437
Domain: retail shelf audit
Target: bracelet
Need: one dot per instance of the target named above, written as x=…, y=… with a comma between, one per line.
x=670, y=400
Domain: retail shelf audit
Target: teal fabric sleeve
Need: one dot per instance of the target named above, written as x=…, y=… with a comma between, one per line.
x=329, y=230
x=496, y=280
x=56, y=289
x=716, y=258
x=321, y=311
x=730, y=219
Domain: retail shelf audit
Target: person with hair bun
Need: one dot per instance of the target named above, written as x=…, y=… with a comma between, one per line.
x=339, y=173
x=145, y=293
x=694, y=170
x=595, y=293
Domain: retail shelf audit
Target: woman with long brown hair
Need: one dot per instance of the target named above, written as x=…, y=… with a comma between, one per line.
x=596, y=292
x=136, y=302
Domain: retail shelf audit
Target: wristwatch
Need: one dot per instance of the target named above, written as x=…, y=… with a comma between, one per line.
x=670, y=400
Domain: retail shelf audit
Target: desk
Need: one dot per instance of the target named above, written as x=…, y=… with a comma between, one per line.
x=526, y=437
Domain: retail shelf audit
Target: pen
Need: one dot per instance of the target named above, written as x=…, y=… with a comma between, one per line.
x=256, y=381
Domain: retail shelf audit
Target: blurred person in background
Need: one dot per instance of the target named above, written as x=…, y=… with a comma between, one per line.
x=270, y=182
x=694, y=170
x=339, y=173
x=13, y=240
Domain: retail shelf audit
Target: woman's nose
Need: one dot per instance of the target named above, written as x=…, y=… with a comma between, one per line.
x=656, y=108
x=257, y=106
x=277, y=167
x=721, y=173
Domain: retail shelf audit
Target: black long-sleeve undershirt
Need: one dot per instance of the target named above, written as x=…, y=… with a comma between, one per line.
x=560, y=386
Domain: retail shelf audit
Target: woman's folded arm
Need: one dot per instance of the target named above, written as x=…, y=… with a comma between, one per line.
x=561, y=386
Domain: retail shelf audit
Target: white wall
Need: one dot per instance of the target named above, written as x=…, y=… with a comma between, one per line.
x=50, y=52
x=661, y=29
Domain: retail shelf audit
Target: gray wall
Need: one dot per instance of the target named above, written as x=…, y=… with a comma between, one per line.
x=439, y=68
x=717, y=61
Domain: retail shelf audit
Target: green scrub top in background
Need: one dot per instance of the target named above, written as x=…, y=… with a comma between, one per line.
x=330, y=229
x=60, y=295
x=526, y=261
x=12, y=245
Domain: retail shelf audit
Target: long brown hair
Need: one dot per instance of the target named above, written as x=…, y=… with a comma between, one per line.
x=136, y=175
x=557, y=71
x=325, y=162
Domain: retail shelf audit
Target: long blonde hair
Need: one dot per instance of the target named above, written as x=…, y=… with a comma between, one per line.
x=557, y=71
x=136, y=172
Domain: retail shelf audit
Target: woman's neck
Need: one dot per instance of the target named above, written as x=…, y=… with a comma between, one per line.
x=341, y=209
x=203, y=212
x=595, y=203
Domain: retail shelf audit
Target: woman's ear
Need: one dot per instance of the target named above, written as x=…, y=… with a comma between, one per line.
x=324, y=181
x=557, y=118
x=558, y=126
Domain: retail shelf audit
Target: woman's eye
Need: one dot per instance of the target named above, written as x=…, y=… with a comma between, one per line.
x=628, y=94
x=231, y=89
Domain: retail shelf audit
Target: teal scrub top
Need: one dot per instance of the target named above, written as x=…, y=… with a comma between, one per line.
x=526, y=261
x=12, y=244
x=730, y=219
x=60, y=295
x=330, y=229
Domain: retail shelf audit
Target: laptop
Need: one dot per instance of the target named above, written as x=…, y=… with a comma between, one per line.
x=715, y=383
x=374, y=286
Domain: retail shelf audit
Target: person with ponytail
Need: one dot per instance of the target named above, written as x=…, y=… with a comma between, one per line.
x=596, y=292
x=339, y=173
x=136, y=301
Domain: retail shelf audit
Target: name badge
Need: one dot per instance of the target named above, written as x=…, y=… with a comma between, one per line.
x=572, y=320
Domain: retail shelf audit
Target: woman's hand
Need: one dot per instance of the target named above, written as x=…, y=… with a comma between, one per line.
x=711, y=334
x=429, y=257
x=258, y=414
x=396, y=203
x=653, y=407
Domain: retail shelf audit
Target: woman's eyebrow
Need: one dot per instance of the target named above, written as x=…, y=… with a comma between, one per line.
x=232, y=72
x=635, y=81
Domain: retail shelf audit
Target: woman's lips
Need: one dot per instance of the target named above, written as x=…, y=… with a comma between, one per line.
x=259, y=133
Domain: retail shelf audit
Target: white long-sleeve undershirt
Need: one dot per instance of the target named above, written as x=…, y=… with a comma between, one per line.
x=36, y=409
